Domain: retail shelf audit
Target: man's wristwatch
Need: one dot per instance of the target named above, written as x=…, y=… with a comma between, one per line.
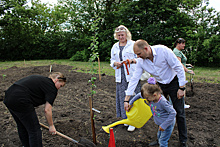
x=182, y=88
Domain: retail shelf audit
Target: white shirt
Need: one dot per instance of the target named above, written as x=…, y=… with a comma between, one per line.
x=127, y=53
x=164, y=68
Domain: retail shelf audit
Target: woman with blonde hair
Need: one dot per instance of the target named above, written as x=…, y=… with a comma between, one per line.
x=123, y=60
x=24, y=95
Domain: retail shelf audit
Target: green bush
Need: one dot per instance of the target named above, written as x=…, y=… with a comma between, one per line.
x=79, y=56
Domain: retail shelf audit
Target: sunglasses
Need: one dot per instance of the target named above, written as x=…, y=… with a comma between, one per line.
x=64, y=79
x=180, y=40
x=119, y=29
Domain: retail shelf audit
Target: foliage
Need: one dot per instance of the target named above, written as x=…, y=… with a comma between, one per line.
x=27, y=33
x=94, y=44
x=3, y=77
x=94, y=55
x=212, y=45
x=79, y=56
x=62, y=31
x=92, y=81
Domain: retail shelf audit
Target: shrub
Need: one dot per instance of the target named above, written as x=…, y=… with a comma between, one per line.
x=79, y=56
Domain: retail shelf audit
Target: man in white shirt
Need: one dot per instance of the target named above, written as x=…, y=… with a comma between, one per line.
x=162, y=63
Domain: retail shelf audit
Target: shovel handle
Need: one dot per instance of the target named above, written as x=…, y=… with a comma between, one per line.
x=60, y=134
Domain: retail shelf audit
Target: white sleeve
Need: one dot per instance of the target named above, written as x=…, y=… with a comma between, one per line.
x=176, y=65
x=113, y=59
x=134, y=79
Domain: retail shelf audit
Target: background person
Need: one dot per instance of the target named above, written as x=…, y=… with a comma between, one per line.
x=163, y=65
x=21, y=99
x=162, y=111
x=178, y=47
x=121, y=51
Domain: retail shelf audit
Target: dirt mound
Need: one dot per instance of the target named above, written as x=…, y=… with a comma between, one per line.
x=71, y=112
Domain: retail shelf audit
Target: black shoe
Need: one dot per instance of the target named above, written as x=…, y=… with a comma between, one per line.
x=183, y=144
x=153, y=143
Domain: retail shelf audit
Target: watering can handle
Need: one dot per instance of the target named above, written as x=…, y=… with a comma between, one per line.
x=146, y=101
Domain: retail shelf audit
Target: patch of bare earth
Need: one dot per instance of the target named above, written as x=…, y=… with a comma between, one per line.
x=71, y=112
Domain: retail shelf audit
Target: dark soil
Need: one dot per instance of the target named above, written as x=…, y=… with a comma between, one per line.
x=71, y=112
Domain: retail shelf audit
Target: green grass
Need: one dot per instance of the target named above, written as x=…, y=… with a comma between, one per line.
x=76, y=65
x=206, y=74
x=202, y=74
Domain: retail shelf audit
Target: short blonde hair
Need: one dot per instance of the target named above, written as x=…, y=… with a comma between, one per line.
x=122, y=28
x=57, y=75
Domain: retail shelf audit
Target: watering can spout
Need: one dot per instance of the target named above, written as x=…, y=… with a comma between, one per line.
x=106, y=128
x=139, y=114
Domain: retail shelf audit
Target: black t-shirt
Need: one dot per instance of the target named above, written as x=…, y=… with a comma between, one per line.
x=33, y=90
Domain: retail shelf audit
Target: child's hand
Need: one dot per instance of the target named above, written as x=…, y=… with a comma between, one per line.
x=161, y=129
x=127, y=106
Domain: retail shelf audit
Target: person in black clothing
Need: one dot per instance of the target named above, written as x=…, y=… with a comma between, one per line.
x=21, y=99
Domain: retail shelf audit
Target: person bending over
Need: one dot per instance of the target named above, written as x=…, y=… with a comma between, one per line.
x=21, y=99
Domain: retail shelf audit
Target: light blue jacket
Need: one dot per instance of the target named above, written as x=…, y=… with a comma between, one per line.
x=127, y=53
x=163, y=112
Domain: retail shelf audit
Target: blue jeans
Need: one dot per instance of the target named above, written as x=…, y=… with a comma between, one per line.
x=164, y=136
x=28, y=127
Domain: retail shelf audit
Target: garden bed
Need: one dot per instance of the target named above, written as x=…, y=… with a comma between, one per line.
x=71, y=112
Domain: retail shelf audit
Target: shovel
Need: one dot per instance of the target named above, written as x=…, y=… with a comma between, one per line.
x=81, y=143
x=191, y=81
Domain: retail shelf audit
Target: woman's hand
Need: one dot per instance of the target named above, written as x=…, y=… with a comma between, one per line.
x=189, y=65
x=52, y=130
x=118, y=64
x=190, y=72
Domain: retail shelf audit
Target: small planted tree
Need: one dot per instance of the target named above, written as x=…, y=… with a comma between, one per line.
x=93, y=60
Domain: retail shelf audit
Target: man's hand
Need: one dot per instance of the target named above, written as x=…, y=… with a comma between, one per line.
x=126, y=103
x=180, y=94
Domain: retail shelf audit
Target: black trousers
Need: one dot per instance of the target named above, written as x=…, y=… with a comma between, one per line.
x=28, y=127
x=178, y=104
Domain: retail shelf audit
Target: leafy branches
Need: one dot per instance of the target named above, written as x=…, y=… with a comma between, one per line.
x=83, y=29
x=94, y=49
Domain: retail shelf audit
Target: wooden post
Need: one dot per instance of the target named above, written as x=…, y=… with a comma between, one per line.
x=50, y=68
x=92, y=120
x=99, y=70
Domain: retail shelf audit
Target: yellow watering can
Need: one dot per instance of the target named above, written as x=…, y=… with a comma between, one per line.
x=138, y=115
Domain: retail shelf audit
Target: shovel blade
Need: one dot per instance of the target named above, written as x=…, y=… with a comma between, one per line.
x=86, y=143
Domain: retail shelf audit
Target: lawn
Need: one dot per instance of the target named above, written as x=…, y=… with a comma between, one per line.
x=202, y=74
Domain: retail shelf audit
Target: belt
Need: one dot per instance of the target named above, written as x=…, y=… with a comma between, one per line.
x=174, y=79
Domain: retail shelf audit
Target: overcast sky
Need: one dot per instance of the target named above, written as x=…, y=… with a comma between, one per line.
x=213, y=3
